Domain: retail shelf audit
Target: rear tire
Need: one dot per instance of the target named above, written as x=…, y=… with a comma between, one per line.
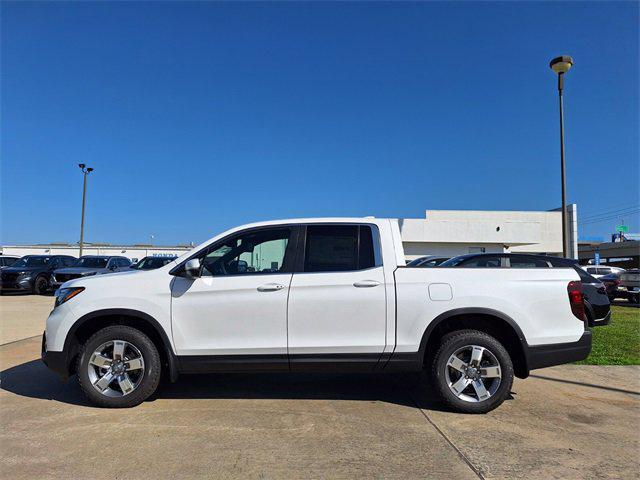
x=118, y=367
x=472, y=371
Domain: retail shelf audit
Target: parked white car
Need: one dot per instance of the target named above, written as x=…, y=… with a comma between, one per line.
x=598, y=271
x=324, y=294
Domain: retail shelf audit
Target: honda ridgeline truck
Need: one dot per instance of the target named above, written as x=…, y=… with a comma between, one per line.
x=305, y=295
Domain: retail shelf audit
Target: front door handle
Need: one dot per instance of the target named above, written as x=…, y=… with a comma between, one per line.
x=270, y=287
x=366, y=284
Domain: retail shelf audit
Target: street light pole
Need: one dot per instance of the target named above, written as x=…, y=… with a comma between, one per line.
x=561, y=65
x=85, y=171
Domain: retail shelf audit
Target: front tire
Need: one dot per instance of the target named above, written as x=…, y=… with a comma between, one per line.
x=472, y=371
x=41, y=285
x=119, y=366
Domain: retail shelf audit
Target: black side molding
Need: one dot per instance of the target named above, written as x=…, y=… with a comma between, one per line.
x=558, y=353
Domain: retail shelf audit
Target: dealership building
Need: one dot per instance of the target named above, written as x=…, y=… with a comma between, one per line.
x=458, y=232
x=440, y=232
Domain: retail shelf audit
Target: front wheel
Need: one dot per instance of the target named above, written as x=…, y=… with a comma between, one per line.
x=41, y=285
x=472, y=371
x=118, y=366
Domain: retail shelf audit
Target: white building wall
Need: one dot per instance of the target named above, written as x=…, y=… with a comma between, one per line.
x=457, y=232
x=131, y=252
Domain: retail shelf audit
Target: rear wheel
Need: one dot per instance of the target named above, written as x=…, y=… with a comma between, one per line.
x=118, y=366
x=472, y=371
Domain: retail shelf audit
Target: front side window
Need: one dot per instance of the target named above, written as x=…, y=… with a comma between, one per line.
x=339, y=248
x=254, y=252
x=69, y=261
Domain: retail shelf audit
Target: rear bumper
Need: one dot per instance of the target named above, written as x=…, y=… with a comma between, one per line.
x=600, y=322
x=541, y=356
x=55, y=361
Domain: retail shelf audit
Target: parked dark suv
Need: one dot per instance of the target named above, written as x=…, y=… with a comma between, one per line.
x=596, y=301
x=33, y=273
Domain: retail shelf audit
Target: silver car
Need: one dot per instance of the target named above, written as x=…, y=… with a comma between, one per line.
x=90, y=265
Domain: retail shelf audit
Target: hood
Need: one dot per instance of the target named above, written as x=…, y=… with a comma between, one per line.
x=22, y=269
x=78, y=270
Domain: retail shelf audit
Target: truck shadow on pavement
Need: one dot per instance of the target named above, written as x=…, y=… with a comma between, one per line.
x=32, y=379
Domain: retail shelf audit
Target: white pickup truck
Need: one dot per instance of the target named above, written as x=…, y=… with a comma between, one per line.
x=328, y=294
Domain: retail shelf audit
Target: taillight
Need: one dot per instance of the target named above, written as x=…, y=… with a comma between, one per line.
x=576, y=299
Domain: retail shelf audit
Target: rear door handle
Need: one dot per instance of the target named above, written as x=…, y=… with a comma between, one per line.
x=366, y=284
x=270, y=287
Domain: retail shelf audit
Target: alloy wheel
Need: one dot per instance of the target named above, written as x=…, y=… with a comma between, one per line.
x=473, y=373
x=116, y=368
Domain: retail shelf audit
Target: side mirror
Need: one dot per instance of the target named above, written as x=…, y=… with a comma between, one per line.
x=192, y=268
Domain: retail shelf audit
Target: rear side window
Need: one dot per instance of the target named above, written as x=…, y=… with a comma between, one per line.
x=481, y=262
x=340, y=248
x=516, y=262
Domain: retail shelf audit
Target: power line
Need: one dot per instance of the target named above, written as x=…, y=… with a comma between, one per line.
x=607, y=218
x=596, y=215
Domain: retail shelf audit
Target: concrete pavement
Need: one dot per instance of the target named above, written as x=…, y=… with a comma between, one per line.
x=23, y=316
x=563, y=422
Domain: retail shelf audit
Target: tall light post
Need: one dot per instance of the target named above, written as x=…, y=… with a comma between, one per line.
x=561, y=65
x=85, y=171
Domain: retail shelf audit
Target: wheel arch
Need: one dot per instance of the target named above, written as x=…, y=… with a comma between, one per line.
x=492, y=322
x=90, y=323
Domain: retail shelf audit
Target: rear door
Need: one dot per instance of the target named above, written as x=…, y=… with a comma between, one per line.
x=337, y=300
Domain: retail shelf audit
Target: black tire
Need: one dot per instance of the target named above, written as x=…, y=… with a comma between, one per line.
x=450, y=344
x=634, y=298
x=41, y=285
x=152, y=367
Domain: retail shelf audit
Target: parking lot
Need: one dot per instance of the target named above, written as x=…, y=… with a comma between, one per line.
x=563, y=422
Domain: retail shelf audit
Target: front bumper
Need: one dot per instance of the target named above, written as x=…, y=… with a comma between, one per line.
x=541, y=356
x=15, y=285
x=55, y=361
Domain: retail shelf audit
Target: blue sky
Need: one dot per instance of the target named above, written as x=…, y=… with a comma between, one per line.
x=202, y=116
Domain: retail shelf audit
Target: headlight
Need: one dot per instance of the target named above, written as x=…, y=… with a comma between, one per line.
x=65, y=294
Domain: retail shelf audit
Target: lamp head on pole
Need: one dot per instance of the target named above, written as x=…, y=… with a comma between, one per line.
x=89, y=170
x=82, y=165
x=562, y=64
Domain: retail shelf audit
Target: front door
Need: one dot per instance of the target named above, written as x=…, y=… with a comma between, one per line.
x=238, y=305
x=337, y=302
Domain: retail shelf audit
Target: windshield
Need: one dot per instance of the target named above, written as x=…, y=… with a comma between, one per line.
x=32, y=262
x=92, y=262
x=149, y=263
